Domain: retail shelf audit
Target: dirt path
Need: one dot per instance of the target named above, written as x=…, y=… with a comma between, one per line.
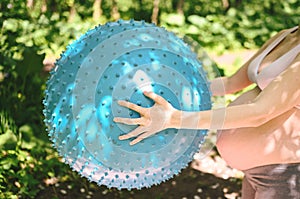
x=189, y=184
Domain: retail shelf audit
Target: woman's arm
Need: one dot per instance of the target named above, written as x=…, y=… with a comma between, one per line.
x=239, y=80
x=227, y=85
x=279, y=96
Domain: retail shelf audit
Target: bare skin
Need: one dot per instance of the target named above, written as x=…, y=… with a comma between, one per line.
x=277, y=140
x=266, y=132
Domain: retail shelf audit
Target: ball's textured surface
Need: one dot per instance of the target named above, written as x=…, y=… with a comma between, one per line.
x=117, y=61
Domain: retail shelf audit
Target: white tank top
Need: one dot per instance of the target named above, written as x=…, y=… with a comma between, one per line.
x=267, y=74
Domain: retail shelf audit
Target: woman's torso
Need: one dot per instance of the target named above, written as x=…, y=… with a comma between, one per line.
x=277, y=141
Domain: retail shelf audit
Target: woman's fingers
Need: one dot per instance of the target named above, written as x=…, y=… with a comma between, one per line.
x=156, y=98
x=141, y=137
x=129, y=121
x=137, y=140
x=139, y=130
x=151, y=121
x=140, y=134
x=131, y=106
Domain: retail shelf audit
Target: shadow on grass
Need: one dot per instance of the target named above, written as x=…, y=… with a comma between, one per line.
x=189, y=183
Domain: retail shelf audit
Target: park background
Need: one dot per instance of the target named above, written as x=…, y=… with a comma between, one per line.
x=34, y=33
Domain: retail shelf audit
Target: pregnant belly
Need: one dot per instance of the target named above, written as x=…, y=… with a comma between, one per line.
x=277, y=141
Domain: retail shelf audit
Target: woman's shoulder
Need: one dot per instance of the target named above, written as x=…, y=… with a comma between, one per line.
x=279, y=34
x=274, y=37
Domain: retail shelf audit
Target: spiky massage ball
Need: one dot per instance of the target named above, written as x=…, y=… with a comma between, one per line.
x=115, y=61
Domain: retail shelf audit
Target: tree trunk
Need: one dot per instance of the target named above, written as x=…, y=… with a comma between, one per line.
x=225, y=4
x=180, y=7
x=44, y=6
x=72, y=13
x=115, y=12
x=155, y=11
x=97, y=10
x=30, y=4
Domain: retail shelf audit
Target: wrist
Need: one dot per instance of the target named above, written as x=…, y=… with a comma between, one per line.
x=185, y=120
x=176, y=119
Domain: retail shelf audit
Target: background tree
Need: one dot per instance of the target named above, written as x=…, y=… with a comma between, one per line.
x=155, y=11
x=97, y=10
x=179, y=7
x=115, y=10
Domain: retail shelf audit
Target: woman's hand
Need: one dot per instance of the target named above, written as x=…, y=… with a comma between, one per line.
x=153, y=120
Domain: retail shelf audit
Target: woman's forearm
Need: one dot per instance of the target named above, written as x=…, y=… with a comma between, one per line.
x=223, y=118
x=218, y=86
x=280, y=95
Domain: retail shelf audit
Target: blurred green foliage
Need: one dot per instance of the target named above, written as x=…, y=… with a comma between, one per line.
x=34, y=29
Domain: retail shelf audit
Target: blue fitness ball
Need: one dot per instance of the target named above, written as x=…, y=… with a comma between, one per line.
x=118, y=61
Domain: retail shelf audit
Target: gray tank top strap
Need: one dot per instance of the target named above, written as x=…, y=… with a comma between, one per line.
x=254, y=65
